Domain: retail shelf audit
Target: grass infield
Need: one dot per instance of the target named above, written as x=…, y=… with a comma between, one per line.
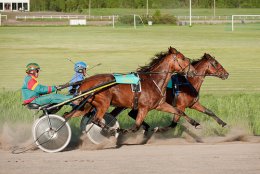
x=123, y=49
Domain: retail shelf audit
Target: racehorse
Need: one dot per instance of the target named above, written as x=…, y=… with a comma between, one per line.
x=189, y=93
x=154, y=78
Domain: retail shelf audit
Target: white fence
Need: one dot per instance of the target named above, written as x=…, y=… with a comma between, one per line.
x=203, y=17
x=66, y=17
x=243, y=17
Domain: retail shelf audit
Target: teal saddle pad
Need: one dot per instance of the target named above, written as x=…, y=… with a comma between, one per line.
x=169, y=85
x=127, y=78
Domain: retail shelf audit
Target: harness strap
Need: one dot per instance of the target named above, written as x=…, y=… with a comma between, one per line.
x=194, y=101
x=175, y=99
x=136, y=88
x=135, y=101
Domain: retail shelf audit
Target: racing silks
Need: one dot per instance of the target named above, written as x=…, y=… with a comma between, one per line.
x=31, y=89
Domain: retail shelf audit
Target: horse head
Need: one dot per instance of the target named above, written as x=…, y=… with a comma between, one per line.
x=181, y=64
x=215, y=68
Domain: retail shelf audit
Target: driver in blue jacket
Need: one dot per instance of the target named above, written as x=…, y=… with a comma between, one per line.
x=80, y=74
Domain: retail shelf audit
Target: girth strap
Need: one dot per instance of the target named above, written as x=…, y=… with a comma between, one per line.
x=136, y=88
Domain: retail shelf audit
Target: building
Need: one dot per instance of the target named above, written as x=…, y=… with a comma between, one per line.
x=14, y=5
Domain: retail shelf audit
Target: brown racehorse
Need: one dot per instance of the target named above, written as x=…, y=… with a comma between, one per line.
x=154, y=79
x=189, y=93
x=189, y=97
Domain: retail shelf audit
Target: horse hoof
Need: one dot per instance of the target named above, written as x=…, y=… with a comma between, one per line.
x=122, y=131
x=155, y=129
x=198, y=126
x=162, y=129
x=223, y=124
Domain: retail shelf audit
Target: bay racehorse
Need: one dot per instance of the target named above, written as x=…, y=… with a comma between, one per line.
x=154, y=78
x=189, y=89
x=189, y=94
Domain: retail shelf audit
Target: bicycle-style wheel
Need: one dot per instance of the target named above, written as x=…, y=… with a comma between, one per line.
x=95, y=133
x=51, y=133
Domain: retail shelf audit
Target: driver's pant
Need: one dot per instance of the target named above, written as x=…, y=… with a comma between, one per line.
x=51, y=99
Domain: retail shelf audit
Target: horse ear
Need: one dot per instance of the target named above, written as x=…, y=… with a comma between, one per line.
x=172, y=50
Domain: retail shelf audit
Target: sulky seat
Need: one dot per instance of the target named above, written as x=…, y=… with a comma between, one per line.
x=33, y=106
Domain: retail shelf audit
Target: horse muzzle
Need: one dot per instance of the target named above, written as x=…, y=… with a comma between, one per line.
x=224, y=76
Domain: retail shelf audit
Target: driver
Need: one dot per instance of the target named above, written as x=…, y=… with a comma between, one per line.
x=80, y=69
x=33, y=92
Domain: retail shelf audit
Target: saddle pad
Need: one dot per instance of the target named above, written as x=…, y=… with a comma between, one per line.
x=126, y=78
x=174, y=81
x=169, y=85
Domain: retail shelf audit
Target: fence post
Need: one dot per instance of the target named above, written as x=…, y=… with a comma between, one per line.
x=113, y=21
x=134, y=22
x=232, y=23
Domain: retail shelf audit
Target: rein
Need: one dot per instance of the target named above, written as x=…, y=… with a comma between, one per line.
x=157, y=72
x=168, y=72
x=214, y=75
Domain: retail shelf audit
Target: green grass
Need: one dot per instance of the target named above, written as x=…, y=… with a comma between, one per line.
x=237, y=110
x=123, y=49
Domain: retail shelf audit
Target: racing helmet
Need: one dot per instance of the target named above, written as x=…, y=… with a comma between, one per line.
x=80, y=66
x=32, y=67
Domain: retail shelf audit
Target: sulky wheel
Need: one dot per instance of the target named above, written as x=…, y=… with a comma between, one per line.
x=53, y=135
x=95, y=133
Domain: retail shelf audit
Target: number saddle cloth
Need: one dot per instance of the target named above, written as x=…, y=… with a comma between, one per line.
x=132, y=79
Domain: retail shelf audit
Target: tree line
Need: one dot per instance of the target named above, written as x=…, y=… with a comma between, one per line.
x=79, y=5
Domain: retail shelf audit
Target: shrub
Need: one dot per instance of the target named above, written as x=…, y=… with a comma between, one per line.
x=168, y=19
x=129, y=19
x=126, y=19
x=157, y=18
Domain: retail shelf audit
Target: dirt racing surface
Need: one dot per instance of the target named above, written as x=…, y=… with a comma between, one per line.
x=154, y=158
x=234, y=154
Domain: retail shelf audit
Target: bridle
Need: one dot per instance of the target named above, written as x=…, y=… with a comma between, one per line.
x=167, y=72
x=216, y=74
x=183, y=69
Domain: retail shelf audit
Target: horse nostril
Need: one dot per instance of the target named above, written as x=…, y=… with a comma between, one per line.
x=227, y=74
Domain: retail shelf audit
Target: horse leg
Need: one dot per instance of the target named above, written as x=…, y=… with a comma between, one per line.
x=77, y=113
x=139, y=119
x=133, y=114
x=115, y=112
x=197, y=106
x=101, y=108
x=178, y=113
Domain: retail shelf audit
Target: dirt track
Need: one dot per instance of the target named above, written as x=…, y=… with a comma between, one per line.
x=235, y=153
x=161, y=156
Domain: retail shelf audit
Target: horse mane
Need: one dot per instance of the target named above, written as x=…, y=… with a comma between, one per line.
x=205, y=56
x=154, y=60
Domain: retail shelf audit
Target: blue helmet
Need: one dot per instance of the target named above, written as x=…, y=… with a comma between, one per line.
x=79, y=66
